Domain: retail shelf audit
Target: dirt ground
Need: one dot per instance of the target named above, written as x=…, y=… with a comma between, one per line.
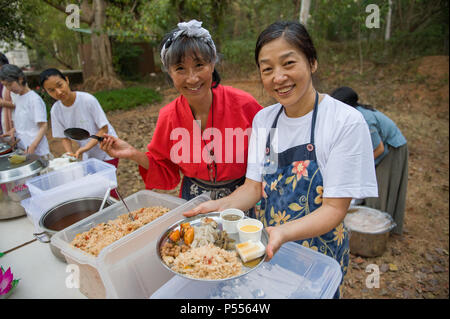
x=415, y=94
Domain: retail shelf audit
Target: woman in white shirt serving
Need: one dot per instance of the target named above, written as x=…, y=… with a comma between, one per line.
x=76, y=109
x=30, y=115
x=309, y=154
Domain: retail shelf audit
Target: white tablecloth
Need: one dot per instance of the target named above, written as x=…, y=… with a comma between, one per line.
x=41, y=274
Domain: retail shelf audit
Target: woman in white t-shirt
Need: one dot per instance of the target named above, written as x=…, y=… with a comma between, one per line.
x=30, y=115
x=309, y=154
x=79, y=110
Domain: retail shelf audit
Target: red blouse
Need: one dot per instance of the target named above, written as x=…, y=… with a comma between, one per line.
x=177, y=145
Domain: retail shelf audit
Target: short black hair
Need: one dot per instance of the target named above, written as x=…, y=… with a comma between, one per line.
x=12, y=73
x=350, y=97
x=294, y=33
x=3, y=59
x=347, y=95
x=48, y=73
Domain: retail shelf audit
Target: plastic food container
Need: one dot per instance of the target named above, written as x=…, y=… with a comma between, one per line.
x=129, y=267
x=230, y=225
x=369, y=230
x=295, y=272
x=35, y=206
x=249, y=229
x=74, y=176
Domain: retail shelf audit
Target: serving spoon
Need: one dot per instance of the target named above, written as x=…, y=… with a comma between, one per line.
x=79, y=134
x=130, y=216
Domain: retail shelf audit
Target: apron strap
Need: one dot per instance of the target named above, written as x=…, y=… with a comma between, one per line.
x=270, y=137
x=313, y=123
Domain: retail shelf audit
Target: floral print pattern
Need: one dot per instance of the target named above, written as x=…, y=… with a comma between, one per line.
x=296, y=191
x=279, y=218
x=319, y=197
x=300, y=169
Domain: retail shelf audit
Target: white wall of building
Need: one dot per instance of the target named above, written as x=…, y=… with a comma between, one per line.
x=18, y=55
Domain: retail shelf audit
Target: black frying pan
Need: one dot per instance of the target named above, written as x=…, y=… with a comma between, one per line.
x=80, y=134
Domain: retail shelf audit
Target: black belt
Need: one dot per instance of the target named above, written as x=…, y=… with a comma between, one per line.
x=218, y=189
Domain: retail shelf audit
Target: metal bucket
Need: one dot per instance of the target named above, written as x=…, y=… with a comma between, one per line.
x=65, y=214
x=12, y=184
x=368, y=241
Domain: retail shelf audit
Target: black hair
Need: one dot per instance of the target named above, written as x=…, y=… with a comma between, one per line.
x=3, y=59
x=294, y=33
x=48, y=73
x=349, y=96
x=183, y=45
x=12, y=73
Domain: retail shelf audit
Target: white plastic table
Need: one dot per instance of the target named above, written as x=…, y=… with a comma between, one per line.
x=41, y=274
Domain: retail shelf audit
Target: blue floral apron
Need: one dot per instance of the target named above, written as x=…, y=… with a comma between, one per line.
x=292, y=188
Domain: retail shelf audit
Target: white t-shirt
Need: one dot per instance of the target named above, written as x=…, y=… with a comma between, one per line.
x=85, y=113
x=29, y=111
x=342, y=143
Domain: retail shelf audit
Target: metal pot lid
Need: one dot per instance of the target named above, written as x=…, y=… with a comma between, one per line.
x=11, y=172
x=368, y=220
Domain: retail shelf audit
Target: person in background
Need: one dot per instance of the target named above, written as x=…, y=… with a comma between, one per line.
x=309, y=154
x=74, y=109
x=30, y=115
x=189, y=56
x=390, y=151
x=6, y=104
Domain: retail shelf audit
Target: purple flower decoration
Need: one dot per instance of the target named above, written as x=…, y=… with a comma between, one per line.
x=7, y=282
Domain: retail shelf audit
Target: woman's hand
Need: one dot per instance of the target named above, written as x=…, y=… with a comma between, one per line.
x=203, y=208
x=31, y=149
x=275, y=241
x=79, y=153
x=115, y=147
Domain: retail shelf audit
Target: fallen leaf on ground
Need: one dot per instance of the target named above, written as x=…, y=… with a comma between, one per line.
x=393, y=267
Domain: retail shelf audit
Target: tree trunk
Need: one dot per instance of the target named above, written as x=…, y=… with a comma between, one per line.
x=297, y=8
x=218, y=10
x=304, y=12
x=361, y=63
x=101, y=54
x=387, y=35
x=95, y=15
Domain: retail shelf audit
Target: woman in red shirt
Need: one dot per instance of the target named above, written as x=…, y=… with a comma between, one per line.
x=204, y=132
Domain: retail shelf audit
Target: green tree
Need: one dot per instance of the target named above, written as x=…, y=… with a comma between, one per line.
x=13, y=20
x=50, y=40
x=93, y=13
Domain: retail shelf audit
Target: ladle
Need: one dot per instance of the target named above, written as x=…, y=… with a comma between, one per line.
x=79, y=134
x=120, y=197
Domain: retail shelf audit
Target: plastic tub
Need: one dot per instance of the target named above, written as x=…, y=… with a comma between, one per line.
x=129, y=267
x=295, y=272
x=74, y=176
x=37, y=205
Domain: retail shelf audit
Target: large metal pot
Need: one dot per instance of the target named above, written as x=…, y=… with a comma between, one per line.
x=12, y=183
x=369, y=230
x=65, y=214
